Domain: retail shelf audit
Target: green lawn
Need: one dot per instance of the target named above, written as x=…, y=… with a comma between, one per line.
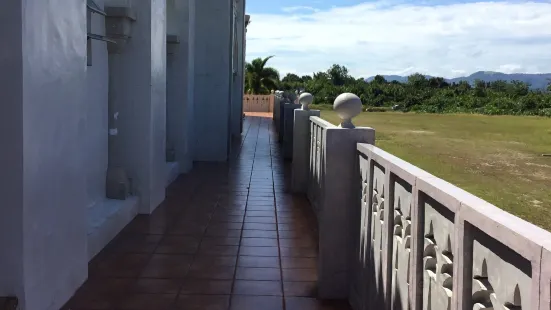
x=497, y=158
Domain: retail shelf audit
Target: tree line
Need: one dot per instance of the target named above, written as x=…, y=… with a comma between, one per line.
x=418, y=94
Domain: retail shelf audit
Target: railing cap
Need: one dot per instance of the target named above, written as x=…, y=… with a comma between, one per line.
x=347, y=106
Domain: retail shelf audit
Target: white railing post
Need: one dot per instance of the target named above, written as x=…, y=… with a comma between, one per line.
x=301, y=143
x=277, y=102
x=337, y=196
x=286, y=124
x=288, y=128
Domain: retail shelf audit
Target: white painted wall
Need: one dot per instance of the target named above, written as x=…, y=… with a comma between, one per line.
x=96, y=137
x=179, y=85
x=212, y=80
x=11, y=158
x=138, y=91
x=237, y=81
x=43, y=183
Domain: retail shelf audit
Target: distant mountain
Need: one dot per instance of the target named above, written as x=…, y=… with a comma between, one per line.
x=538, y=81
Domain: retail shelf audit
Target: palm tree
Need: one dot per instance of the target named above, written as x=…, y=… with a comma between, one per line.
x=259, y=78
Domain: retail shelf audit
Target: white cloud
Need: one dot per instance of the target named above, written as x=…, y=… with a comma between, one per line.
x=390, y=37
x=299, y=8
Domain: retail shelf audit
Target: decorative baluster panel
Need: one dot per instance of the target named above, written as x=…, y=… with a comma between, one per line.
x=361, y=258
x=438, y=256
x=317, y=171
x=501, y=278
x=377, y=211
x=401, y=245
x=312, y=174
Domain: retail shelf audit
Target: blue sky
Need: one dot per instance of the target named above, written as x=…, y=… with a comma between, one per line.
x=438, y=37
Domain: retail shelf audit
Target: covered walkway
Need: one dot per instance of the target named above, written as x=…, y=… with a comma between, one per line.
x=228, y=236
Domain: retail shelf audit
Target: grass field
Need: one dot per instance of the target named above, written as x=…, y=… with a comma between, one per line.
x=497, y=158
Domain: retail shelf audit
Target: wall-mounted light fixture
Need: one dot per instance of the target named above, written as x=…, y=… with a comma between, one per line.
x=93, y=8
x=118, y=25
x=172, y=42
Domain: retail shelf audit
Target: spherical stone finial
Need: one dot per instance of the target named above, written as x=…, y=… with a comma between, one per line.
x=272, y=91
x=305, y=99
x=347, y=106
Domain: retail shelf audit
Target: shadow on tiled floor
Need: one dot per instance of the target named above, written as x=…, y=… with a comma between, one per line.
x=228, y=236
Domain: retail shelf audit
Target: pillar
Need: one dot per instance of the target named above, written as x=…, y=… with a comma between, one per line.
x=239, y=66
x=42, y=179
x=137, y=98
x=212, y=72
x=180, y=82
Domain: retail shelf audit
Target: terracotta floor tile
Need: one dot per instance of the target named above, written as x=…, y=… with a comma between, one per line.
x=222, y=250
x=259, y=226
x=260, y=234
x=302, y=303
x=167, y=266
x=218, y=232
x=144, y=227
x=134, y=243
x=188, y=230
x=217, y=217
x=258, y=262
x=206, y=287
x=92, y=301
x=218, y=222
x=298, y=252
x=120, y=265
x=304, y=242
x=221, y=212
x=261, y=208
x=107, y=285
x=156, y=286
x=259, y=251
x=211, y=272
x=178, y=245
x=225, y=225
x=247, y=273
x=291, y=234
x=256, y=303
x=299, y=262
x=147, y=302
x=202, y=302
x=214, y=260
x=300, y=289
x=210, y=241
x=300, y=275
x=259, y=242
x=260, y=219
x=257, y=288
x=251, y=213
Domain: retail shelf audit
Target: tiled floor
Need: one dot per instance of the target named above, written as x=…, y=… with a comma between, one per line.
x=228, y=236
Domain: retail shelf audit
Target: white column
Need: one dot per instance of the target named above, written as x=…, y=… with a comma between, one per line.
x=42, y=174
x=212, y=80
x=237, y=82
x=180, y=81
x=137, y=92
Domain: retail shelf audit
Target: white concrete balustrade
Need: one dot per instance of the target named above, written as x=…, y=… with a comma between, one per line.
x=258, y=103
x=105, y=102
x=393, y=236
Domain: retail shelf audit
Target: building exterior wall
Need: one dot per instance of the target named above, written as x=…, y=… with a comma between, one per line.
x=55, y=120
x=46, y=232
x=11, y=158
x=237, y=80
x=138, y=91
x=212, y=79
x=96, y=129
x=179, y=87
